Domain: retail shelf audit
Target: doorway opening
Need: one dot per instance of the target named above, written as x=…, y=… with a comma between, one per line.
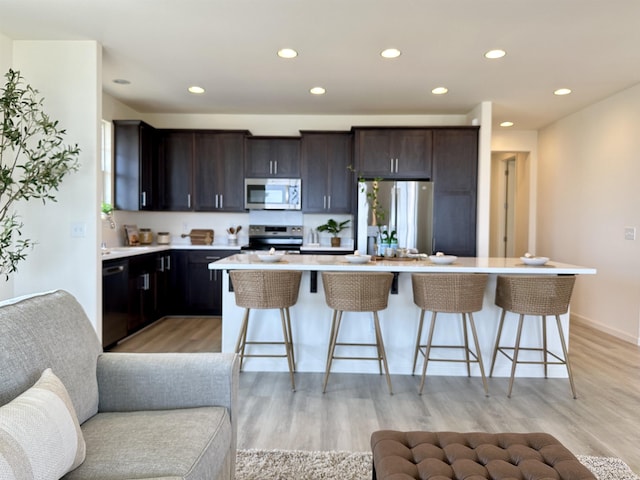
x=509, y=218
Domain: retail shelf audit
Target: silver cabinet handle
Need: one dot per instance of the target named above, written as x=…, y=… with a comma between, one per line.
x=143, y=199
x=324, y=202
x=221, y=201
x=396, y=165
x=113, y=270
x=275, y=171
x=143, y=282
x=168, y=263
x=329, y=203
x=391, y=160
x=270, y=167
x=188, y=200
x=216, y=200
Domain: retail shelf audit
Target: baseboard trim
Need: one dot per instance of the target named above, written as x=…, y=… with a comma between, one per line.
x=605, y=328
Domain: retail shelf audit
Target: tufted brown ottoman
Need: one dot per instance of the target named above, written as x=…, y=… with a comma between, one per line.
x=472, y=456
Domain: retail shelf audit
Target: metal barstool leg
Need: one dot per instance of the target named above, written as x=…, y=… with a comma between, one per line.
x=417, y=349
x=290, y=337
x=566, y=356
x=335, y=327
x=380, y=344
x=287, y=347
x=427, y=350
x=497, y=345
x=545, y=349
x=242, y=336
x=516, y=350
x=466, y=344
x=478, y=353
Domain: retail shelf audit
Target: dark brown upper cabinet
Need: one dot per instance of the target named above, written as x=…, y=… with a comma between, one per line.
x=202, y=170
x=402, y=153
x=272, y=157
x=135, y=160
x=219, y=172
x=327, y=183
x=176, y=170
x=455, y=177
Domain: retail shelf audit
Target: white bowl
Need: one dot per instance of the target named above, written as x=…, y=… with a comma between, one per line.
x=270, y=258
x=358, y=258
x=443, y=259
x=534, y=260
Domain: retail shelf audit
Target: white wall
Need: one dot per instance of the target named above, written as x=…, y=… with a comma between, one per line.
x=6, y=61
x=68, y=77
x=588, y=192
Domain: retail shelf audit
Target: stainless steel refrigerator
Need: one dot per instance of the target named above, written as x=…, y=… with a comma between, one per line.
x=408, y=209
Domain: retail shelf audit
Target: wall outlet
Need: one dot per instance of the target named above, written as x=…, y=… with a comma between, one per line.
x=629, y=233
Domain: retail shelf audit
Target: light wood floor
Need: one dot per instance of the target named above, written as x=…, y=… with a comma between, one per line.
x=603, y=421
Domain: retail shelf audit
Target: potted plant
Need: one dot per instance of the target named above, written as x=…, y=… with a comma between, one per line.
x=334, y=228
x=33, y=162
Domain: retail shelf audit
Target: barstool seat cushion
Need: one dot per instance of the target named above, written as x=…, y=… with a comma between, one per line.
x=452, y=455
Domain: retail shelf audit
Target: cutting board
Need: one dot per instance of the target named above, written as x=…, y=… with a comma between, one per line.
x=200, y=236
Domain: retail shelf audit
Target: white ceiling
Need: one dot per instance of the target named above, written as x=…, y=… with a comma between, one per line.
x=229, y=48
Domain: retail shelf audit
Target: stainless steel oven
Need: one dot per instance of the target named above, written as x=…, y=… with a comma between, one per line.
x=287, y=238
x=272, y=193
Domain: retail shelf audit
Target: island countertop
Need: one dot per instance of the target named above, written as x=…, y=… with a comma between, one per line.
x=311, y=316
x=493, y=265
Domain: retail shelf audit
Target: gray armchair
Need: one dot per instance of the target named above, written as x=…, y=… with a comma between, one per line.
x=169, y=416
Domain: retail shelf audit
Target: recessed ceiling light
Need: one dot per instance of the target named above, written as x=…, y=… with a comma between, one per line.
x=493, y=54
x=287, y=53
x=318, y=91
x=562, y=91
x=439, y=90
x=506, y=124
x=195, y=89
x=121, y=81
x=391, y=53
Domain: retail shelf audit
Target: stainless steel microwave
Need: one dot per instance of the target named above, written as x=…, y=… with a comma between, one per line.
x=272, y=193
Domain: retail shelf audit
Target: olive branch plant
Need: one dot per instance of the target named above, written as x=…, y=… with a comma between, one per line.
x=33, y=162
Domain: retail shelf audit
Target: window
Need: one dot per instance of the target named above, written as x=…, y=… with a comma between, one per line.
x=106, y=162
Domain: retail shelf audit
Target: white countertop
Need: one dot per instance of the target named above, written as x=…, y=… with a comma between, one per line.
x=338, y=262
x=124, y=252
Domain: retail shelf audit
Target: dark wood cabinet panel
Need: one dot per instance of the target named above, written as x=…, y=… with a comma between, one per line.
x=393, y=152
x=327, y=183
x=199, y=289
x=272, y=157
x=176, y=172
x=219, y=172
x=142, y=285
x=135, y=160
x=455, y=176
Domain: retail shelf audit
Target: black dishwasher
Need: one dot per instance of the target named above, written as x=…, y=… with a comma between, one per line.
x=115, y=301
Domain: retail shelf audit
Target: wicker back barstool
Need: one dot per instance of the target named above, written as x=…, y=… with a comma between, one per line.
x=356, y=292
x=449, y=293
x=267, y=289
x=538, y=295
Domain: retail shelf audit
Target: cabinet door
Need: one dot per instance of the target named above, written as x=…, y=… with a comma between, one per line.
x=412, y=151
x=327, y=183
x=142, y=285
x=455, y=176
x=135, y=159
x=219, y=179
x=177, y=170
x=394, y=153
x=163, y=294
x=374, y=157
x=272, y=157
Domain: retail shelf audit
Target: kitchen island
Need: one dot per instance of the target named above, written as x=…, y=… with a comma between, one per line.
x=311, y=317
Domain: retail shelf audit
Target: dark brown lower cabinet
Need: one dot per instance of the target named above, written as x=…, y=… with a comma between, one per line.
x=198, y=289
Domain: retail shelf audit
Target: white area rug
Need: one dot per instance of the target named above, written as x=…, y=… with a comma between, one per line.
x=303, y=465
